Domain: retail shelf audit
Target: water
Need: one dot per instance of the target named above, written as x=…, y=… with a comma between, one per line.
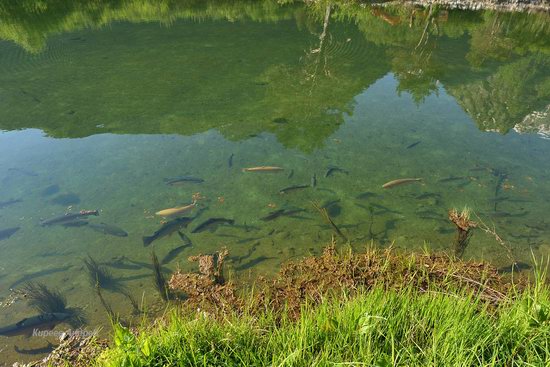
x=98, y=111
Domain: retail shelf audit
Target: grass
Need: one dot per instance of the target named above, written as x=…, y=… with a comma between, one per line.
x=435, y=324
x=374, y=328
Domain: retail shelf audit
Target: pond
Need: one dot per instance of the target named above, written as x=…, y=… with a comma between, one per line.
x=132, y=108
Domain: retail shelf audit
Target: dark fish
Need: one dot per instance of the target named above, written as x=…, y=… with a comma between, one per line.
x=286, y=190
x=507, y=214
x=249, y=239
x=108, y=229
x=515, y=267
x=76, y=223
x=314, y=180
x=27, y=326
x=23, y=171
x=477, y=169
x=146, y=266
x=69, y=217
x=50, y=190
x=186, y=240
x=167, y=229
x=7, y=233
x=248, y=254
x=366, y=195
x=291, y=174
x=327, y=190
x=333, y=207
x=280, y=120
x=253, y=262
x=4, y=204
x=452, y=178
x=66, y=199
x=181, y=180
x=212, y=224
x=172, y=254
x=39, y=274
x=281, y=212
x=413, y=144
x=333, y=169
x=230, y=160
x=47, y=349
x=427, y=195
x=121, y=264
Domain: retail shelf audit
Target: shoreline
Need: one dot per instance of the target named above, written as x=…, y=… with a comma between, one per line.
x=303, y=291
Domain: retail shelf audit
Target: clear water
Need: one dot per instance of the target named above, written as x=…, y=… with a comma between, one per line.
x=106, y=103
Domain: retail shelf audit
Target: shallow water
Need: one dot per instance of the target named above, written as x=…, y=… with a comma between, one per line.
x=97, y=113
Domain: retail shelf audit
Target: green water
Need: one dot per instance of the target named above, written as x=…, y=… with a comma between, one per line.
x=105, y=102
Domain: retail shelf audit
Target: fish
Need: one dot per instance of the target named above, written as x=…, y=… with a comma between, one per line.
x=8, y=232
x=47, y=349
x=167, y=229
x=288, y=189
x=334, y=169
x=50, y=190
x=76, y=223
x=314, y=180
x=290, y=174
x=212, y=224
x=108, y=229
x=172, y=254
x=23, y=171
x=66, y=199
x=68, y=217
x=515, y=267
x=40, y=322
x=230, y=160
x=281, y=212
x=413, y=144
x=400, y=181
x=174, y=181
x=120, y=264
x=366, y=195
x=6, y=203
x=427, y=195
x=186, y=240
x=280, y=120
x=177, y=210
x=249, y=239
x=253, y=262
x=38, y=274
x=263, y=169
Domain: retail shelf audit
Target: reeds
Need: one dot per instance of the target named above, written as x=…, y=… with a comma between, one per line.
x=326, y=217
x=159, y=281
x=99, y=275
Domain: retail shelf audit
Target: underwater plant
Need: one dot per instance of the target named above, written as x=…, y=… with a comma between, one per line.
x=99, y=275
x=158, y=278
x=43, y=299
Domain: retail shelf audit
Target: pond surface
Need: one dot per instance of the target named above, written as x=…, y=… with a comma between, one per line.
x=100, y=106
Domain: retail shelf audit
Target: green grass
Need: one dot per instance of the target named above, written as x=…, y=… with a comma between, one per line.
x=408, y=327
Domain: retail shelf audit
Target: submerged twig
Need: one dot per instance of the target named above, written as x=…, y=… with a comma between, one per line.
x=328, y=219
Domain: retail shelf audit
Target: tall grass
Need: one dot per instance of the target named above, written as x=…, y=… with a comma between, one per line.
x=408, y=327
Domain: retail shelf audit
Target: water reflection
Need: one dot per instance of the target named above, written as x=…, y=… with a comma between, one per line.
x=300, y=75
